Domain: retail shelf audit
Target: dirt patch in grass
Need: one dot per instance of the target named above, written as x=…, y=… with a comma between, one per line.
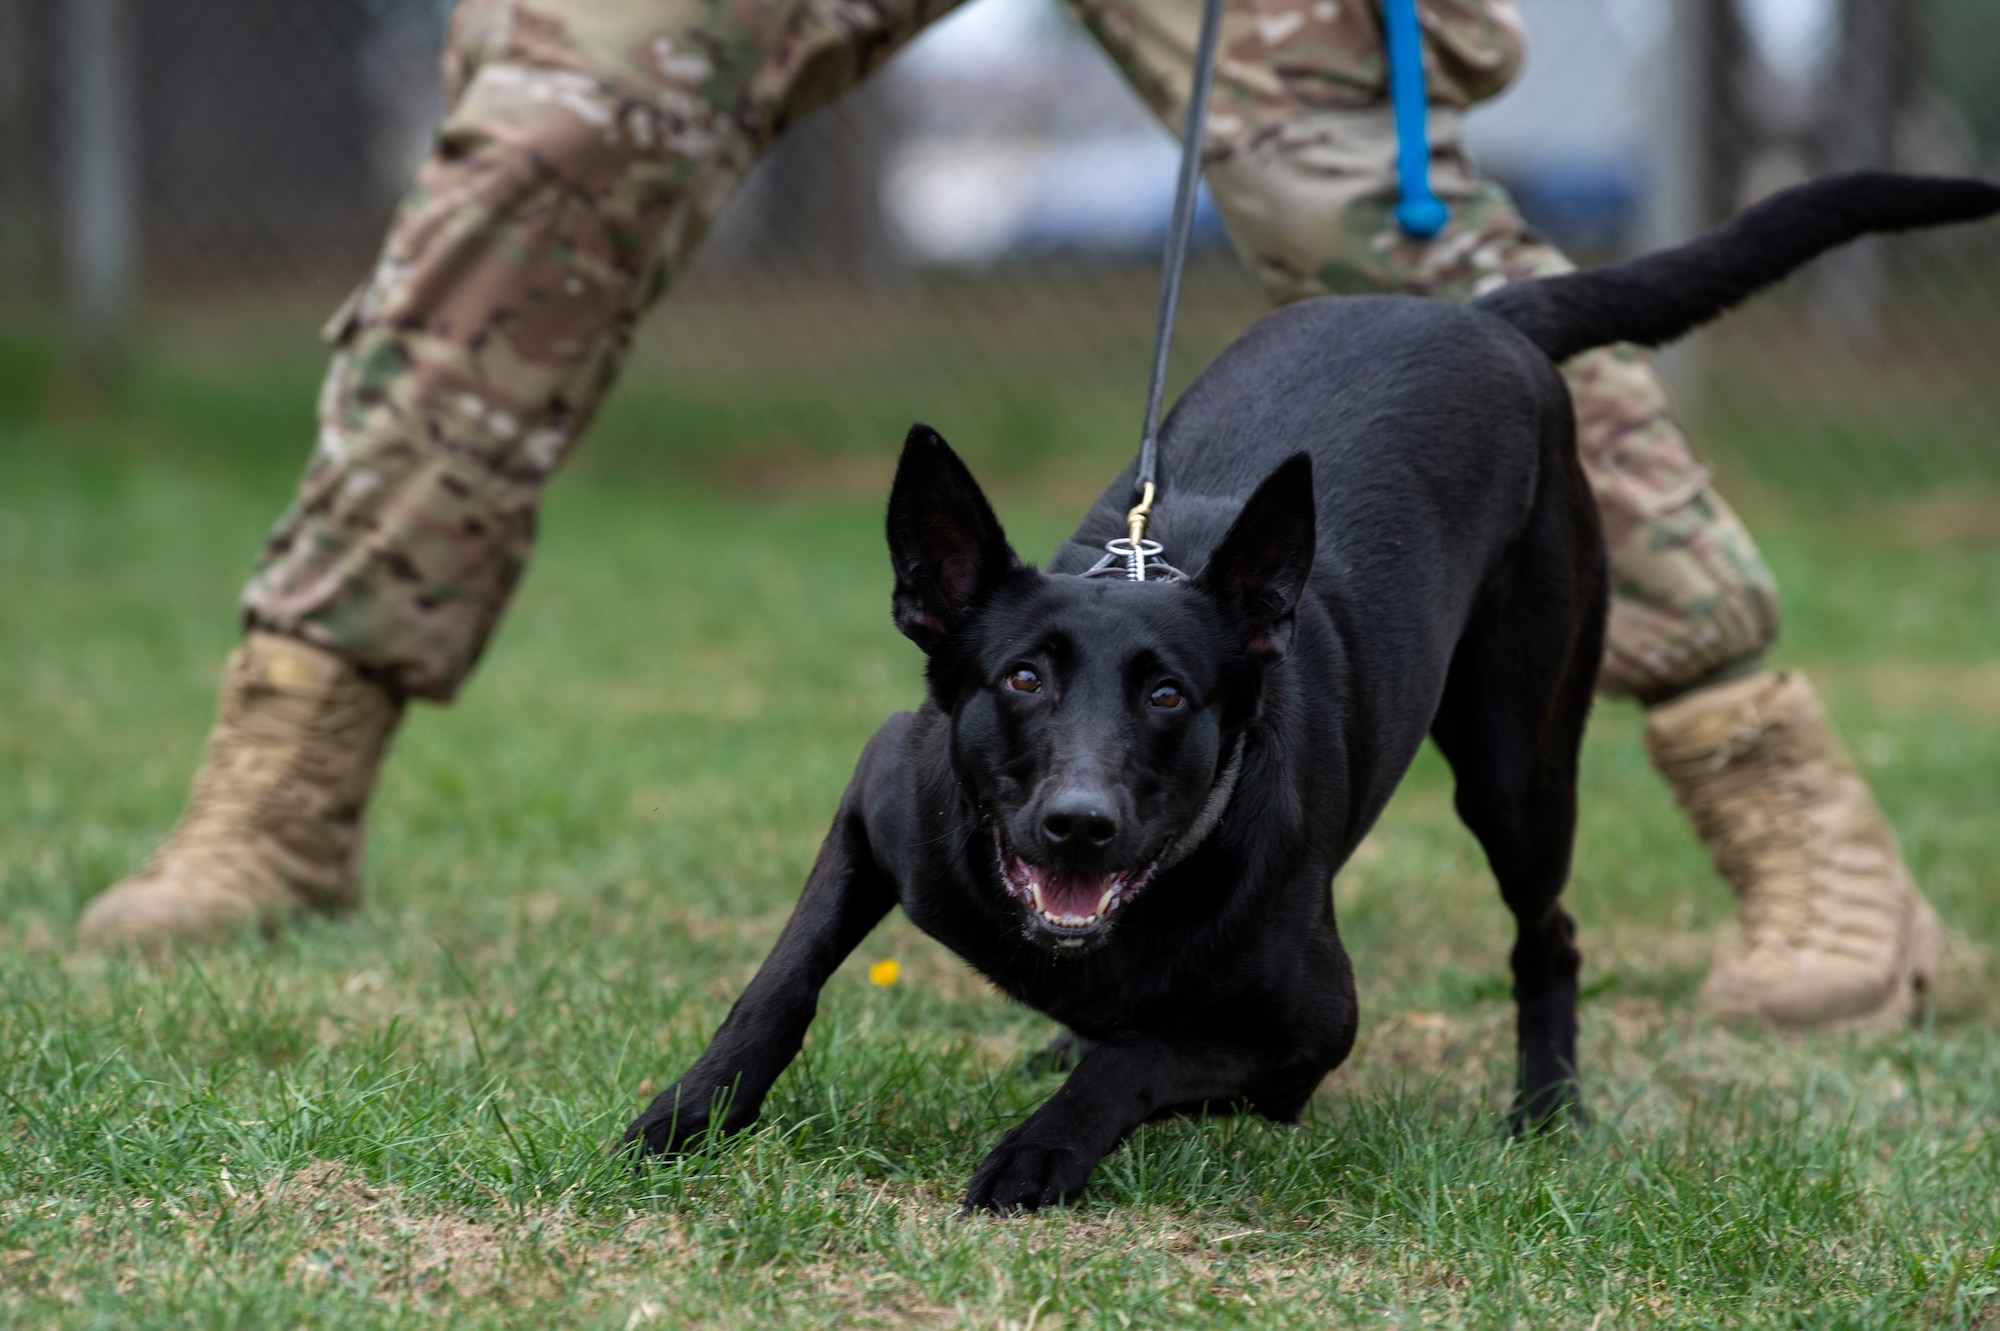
x=367, y=1235
x=408, y=1250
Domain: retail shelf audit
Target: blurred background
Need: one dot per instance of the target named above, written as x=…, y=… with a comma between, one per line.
x=188, y=187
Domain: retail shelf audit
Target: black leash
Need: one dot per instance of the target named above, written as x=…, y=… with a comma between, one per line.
x=1133, y=547
x=1419, y=212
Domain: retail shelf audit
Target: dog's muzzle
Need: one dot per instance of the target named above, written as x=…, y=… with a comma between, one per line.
x=1073, y=907
x=1068, y=905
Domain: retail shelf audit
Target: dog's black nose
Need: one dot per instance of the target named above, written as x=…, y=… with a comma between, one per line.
x=1079, y=820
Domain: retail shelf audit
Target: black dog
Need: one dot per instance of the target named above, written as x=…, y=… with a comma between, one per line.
x=1123, y=801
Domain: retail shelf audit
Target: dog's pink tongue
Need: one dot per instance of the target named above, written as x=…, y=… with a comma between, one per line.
x=1072, y=896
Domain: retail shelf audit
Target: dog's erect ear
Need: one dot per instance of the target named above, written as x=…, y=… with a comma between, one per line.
x=944, y=541
x=1259, y=571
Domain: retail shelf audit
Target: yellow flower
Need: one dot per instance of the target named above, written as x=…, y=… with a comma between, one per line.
x=885, y=971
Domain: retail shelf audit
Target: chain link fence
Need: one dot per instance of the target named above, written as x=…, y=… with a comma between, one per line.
x=973, y=236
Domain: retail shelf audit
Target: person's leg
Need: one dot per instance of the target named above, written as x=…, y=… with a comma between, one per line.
x=588, y=146
x=1300, y=158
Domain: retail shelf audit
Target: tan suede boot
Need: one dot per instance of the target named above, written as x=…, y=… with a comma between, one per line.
x=1835, y=933
x=273, y=824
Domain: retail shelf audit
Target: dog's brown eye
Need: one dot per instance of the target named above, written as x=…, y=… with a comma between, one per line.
x=1166, y=698
x=1024, y=680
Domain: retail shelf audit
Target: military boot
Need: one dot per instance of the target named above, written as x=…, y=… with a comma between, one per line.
x=1834, y=932
x=273, y=824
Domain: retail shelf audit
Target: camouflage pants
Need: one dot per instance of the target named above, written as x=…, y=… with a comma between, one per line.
x=588, y=146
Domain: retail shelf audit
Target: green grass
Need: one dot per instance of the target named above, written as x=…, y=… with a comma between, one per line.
x=404, y=1118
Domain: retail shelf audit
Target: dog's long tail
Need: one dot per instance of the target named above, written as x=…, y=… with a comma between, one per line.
x=1658, y=297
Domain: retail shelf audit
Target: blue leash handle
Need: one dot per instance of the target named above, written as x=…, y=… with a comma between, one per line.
x=1419, y=212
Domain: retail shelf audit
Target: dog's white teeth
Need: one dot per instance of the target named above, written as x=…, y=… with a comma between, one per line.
x=1104, y=902
x=1037, y=889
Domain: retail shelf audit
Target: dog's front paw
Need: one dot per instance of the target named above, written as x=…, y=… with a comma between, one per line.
x=1022, y=1175
x=680, y=1116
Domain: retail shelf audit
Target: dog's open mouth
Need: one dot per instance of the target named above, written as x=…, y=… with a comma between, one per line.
x=1071, y=905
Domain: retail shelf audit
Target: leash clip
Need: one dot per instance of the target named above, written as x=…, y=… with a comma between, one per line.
x=1140, y=556
x=1137, y=549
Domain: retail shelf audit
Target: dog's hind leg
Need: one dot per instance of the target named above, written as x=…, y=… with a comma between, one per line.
x=1511, y=724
